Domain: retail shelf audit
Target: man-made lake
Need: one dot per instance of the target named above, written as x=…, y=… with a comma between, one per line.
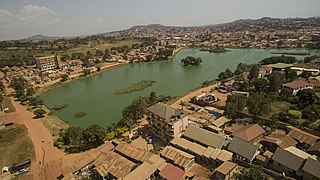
x=95, y=95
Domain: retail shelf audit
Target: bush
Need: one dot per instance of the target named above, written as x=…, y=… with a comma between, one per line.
x=294, y=114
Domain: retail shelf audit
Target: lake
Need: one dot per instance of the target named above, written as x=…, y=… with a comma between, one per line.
x=94, y=96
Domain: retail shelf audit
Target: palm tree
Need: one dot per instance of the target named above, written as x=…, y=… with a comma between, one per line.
x=182, y=104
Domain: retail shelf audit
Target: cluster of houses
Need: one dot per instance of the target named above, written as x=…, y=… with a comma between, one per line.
x=293, y=87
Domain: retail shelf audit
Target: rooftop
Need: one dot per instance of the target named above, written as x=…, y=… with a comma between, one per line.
x=265, y=68
x=179, y=157
x=226, y=167
x=249, y=132
x=312, y=166
x=297, y=84
x=133, y=152
x=302, y=136
x=204, y=136
x=243, y=148
x=280, y=65
x=164, y=111
x=188, y=145
x=220, y=121
x=291, y=157
x=171, y=172
x=218, y=154
x=281, y=140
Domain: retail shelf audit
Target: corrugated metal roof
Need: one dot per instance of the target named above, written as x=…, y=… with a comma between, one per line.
x=133, y=152
x=312, y=167
x=204, y=136
x=179, y=157
x=171, y=172
x=243, y=148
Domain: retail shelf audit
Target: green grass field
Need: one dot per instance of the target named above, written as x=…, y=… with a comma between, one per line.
x=92, y=48
x=16, y=146
x=8, y=104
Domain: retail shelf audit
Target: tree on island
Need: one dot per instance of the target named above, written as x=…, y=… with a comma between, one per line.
x=191, y=61
x=39, y=113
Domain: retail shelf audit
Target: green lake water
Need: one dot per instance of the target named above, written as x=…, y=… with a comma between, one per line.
x=95, y=95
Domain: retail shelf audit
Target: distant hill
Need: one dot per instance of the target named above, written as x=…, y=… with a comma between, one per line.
x=40, y=37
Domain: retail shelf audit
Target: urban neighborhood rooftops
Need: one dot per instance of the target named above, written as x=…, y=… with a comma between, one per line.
x=312, y=166
x=204, y=137
x=133, y=152
x=220, y=121
x=226, y=167
x=281, y=140
x=302, y=136
x=180, y=158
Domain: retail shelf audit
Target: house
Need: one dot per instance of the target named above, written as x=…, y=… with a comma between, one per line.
x=311, y=169
x=305, y=139
x=289, y=161
x=243, y=150
x=264, y=71
x=190, y=147
x=316, y=83
x=132, y=153
x=204, y=137
x=293, y=87
x=111, y=165
x=171, y=172
x=233, y=128
x=214, y=129
x=148, y=169
x=250, y=133
x=166, y=122
x=273, y=141
x=315, y=149
x=225, y=171
x=220, y=122
x=177, y=157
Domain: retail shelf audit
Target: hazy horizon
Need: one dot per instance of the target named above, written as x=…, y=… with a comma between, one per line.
x=22, y=19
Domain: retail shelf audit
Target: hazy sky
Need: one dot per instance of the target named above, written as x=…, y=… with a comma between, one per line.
x=24, y=18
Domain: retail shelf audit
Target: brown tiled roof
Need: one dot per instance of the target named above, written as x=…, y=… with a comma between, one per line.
x=249, y=132
x=233, y=128
x=265, y=68
x=171, y=172
x=297, y=84
x=302, y=136
x=281, y=140
x=314, y=82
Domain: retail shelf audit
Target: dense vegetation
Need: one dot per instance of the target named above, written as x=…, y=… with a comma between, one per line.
x=278, y=59
x=191, y=61
x=139, y=86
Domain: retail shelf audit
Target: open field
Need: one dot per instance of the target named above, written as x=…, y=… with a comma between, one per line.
x=16, y=146
x=54, y=124
x=84, y=48
x=7, y=104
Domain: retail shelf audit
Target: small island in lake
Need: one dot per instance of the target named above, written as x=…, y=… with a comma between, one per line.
x=292, y=53
x=59, y=106
x=214, y=50
x=191, y=61
x=139, y=86
x=79, y=115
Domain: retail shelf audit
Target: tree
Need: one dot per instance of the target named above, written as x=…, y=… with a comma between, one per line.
x=253, y=173
x=89, y=55
x=259, y=104
x=94, y=135
x=260, y=84
x=275, y=80
x=30, y=91
x=153, y=99
x=191, y=61
x=306, y=74
x=73, y=136
x=86, y=72
x=99, y=53
x=39, y=113
x=241, y=68
x=64, y=77
x=294, y=114
x=98, y=68
x=222, y=76
x=254, y=72
x=205, y=83
x=306, y=97
x=234, y=105
x=1, y=98
x=278, y=59
x=290, y=75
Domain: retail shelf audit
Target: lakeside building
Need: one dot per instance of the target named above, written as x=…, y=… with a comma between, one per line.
x=48, y=63
x=293, y=87
x=166, y=122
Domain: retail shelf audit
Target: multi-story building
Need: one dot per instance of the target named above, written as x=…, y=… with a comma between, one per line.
x=48, y=63
x=166, y=122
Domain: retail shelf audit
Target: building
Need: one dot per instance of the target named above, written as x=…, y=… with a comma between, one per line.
x=264, y=71
x=225, y=171
x=243, y=150
x=148, y=169
x=311, y=169
x=177, y=157
x=250, y=133
x=132, y=153
x=315, y=149
x=279, y=66
x=305, y=139
x=166, y=122
x=273, y=141
x=220, y=122
x=204, y=137
x=293, y=87
x=171, y=172
x=289, y=161
x=48, y=63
